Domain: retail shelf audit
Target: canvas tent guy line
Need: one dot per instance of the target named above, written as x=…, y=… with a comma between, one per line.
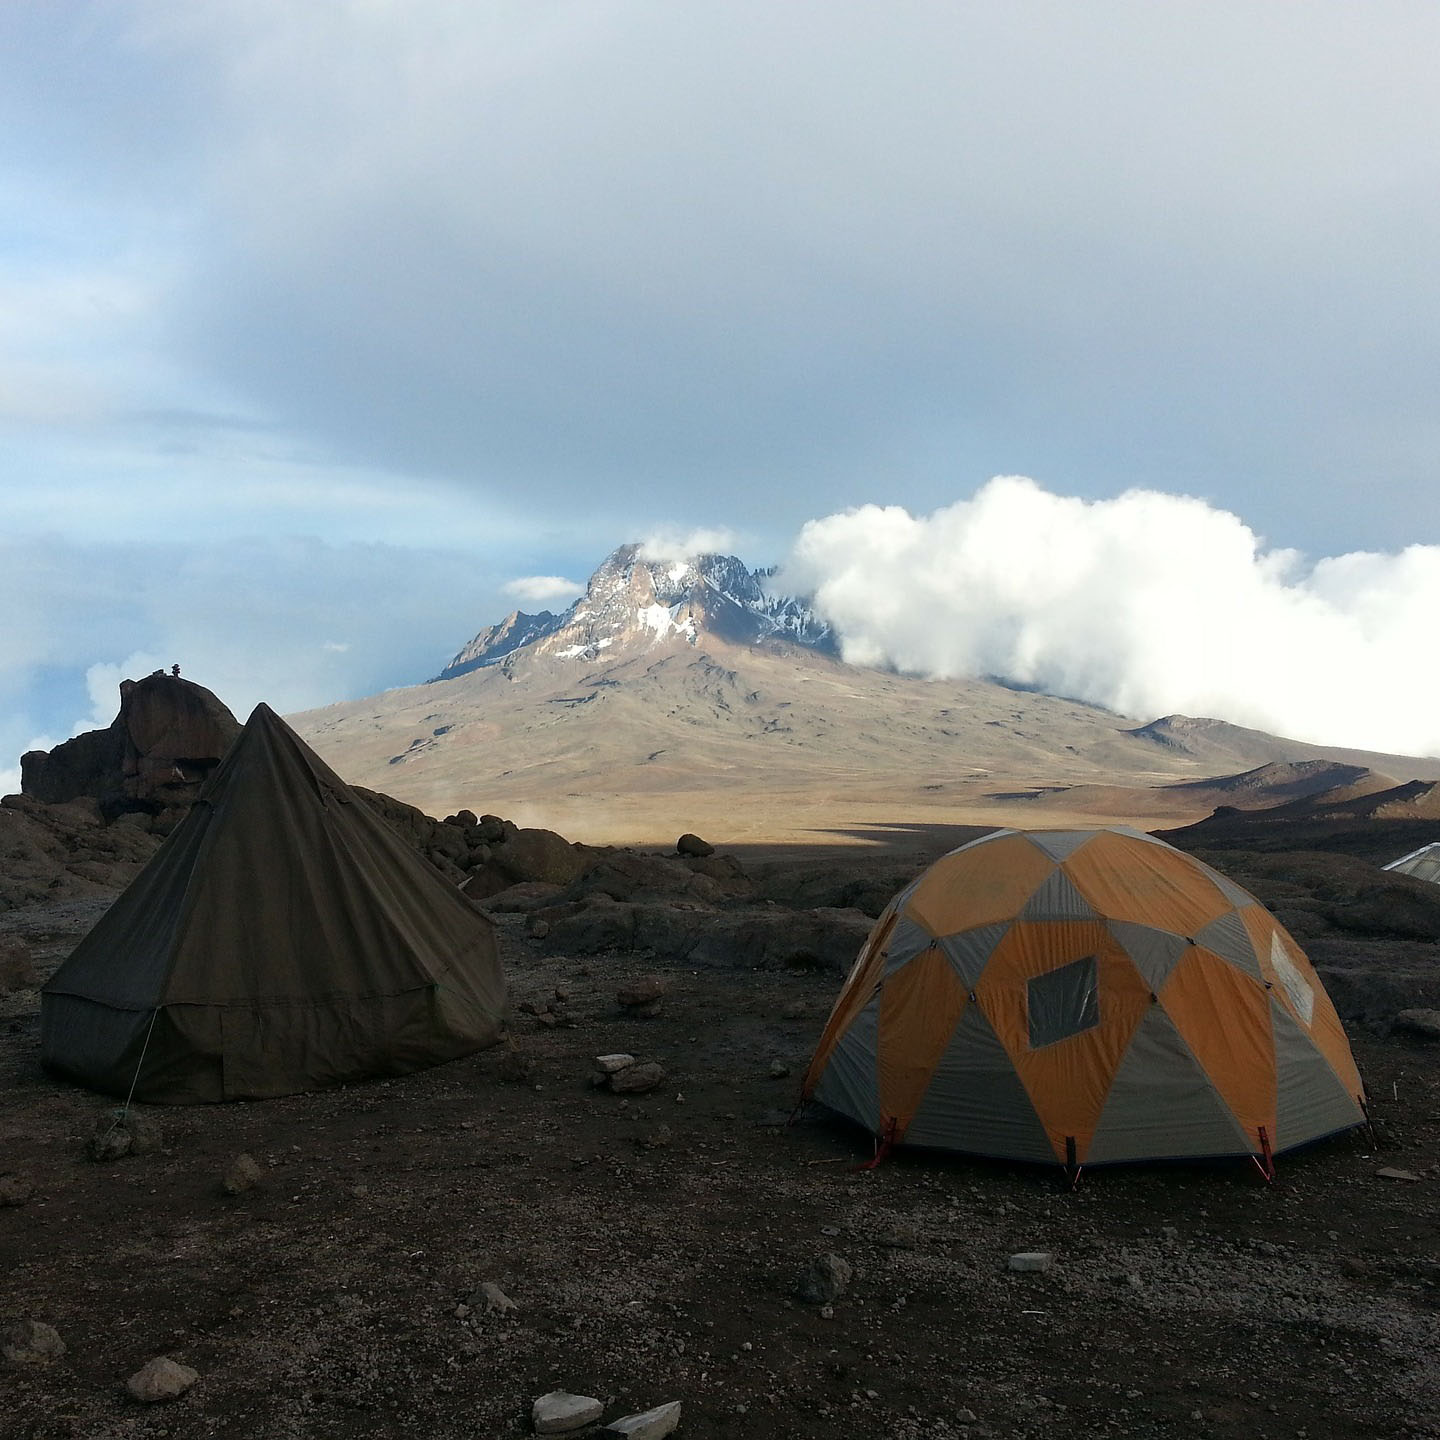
x=283, y=938
x=1084, y=997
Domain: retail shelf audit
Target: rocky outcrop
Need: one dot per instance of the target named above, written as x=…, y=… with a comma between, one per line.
x=151, y=760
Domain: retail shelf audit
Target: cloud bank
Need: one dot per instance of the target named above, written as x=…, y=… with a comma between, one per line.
x=1148, y=603
x=542, y=589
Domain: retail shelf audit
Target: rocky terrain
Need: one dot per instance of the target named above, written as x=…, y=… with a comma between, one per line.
x=679, y=1241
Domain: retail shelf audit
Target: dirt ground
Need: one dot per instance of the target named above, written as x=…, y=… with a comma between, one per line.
x=653, y=1245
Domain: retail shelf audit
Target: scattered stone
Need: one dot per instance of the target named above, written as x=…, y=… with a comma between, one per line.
x=1031, y=1261
x=965, y=1416
x=1418, y=1024
x=560, y=1412
x=243, y=1174
x=145, y=1132
x=537, y=928
x=162, y=1379
x=515, y=1067
x=642, y=992
x=637, y=1079
x=647, y=1425
x=658, y=1139
x=497, y=1302
x=693, y=845
x=610, y=1064
x=826, y=1280
x=778, y=1069
x=31, y=1342
x=1389, y=1172
x=14, y=1190
x=111, y=1141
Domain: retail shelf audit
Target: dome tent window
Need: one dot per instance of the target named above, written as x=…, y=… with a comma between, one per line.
x=1063, y=1003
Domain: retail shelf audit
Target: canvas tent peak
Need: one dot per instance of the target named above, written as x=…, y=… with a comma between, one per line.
x=283, y=938
x=1082, y=997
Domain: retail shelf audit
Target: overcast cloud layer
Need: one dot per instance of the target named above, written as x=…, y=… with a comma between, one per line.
x=518, y=282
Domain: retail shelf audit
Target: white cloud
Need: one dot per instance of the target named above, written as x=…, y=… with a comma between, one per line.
x=541, y=589
x=1148, y=603
x=669, y=543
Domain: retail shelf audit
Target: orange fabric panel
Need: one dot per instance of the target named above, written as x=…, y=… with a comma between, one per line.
x=1069, y=1080
x=853, y=997
x=1223, y=1015
x=919, y=1008
x=980, y=886
x=1324, y=1027
x=1127, y=879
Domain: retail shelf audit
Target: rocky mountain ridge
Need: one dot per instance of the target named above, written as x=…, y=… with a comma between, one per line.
x=635, y=601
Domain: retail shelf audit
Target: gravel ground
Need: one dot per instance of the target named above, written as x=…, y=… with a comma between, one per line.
x=653, y=1245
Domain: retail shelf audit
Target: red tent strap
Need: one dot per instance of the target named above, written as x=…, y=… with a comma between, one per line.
x=883, y=1148
x=1265, y=1161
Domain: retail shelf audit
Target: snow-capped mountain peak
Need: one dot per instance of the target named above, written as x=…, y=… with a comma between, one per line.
x=636, y=602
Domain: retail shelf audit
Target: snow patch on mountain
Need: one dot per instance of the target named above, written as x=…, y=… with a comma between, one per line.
x=636, y=602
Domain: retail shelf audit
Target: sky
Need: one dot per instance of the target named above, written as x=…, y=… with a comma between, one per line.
x=330, y=333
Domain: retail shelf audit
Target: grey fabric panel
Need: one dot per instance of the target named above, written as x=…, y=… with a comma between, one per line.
x=975, y=1101
x=1161, y=1104
x=850, y=1084
x=1238, y=897
x=1063, y=1002
x=1310, y=1099
x=1057, y=844
x=1155, y=953
x=907, y=940
x=1230, y=940
x=970, y=951
x=1057, y=899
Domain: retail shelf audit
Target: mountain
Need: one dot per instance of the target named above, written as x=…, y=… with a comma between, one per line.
x=633, y=602
x=685, y=695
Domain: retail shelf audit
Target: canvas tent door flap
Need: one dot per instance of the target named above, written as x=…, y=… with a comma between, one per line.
x=283, y=938
x=1084, y=997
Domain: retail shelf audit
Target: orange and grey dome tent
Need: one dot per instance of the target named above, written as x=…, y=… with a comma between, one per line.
x=283, y=938
x=1084, y=997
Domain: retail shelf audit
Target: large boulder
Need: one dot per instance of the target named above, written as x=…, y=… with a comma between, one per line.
x=153, y=757
x=538, y=856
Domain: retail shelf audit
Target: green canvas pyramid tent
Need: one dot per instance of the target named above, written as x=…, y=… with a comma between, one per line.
x=283, y=938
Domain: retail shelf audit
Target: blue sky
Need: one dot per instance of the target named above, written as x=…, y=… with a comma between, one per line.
x=320, y=325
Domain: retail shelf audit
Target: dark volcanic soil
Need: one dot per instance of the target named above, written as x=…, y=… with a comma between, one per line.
x=653, y=1247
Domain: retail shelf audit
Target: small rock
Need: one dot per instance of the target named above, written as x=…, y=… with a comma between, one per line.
x=637, y=1079
x=243, y=1175
x=610, y=1064
x=795, y=1010
x=1031, y=1261
x=778, y=1069
x=693, y=845
x=31, y=1342
x=1418, y=1024
x=14, y=1190
x=515, y=1067
x=560, y=1411
x=497, y=1302
x=658, y=1139
x=162, y=1379
x=111, y=1141
x=643, y=990
x=1389, y=1172
x=537, y=928
x=826, y=1280
x=965, y=1416
x=463, y=1311
x=647, y=1425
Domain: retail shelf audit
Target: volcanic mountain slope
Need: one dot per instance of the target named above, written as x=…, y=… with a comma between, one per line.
x=680, y=695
